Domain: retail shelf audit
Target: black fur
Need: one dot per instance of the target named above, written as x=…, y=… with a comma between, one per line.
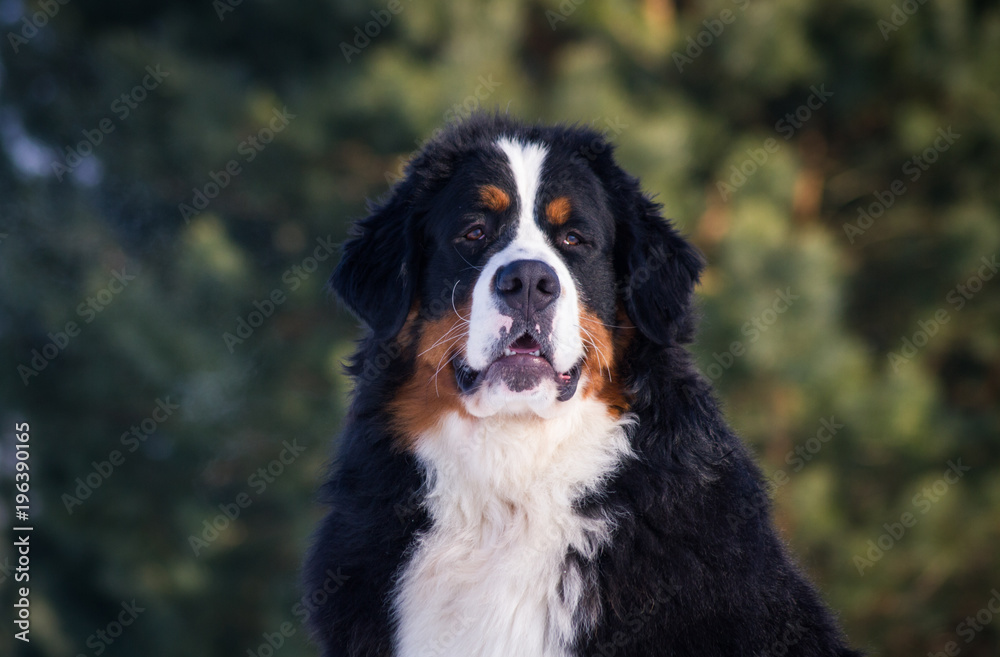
x=694, y=567
x=377, y=274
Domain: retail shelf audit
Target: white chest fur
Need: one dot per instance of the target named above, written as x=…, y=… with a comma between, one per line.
x=487, y=579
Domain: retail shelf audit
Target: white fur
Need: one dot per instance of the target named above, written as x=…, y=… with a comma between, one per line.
x=490, y=577
x=485, y=580
x=486, y=320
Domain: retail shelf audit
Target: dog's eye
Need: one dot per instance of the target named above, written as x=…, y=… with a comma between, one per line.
x=475, y=234
x=572, y=239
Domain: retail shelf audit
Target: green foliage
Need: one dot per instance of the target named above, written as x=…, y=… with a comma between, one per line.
x=769, y=131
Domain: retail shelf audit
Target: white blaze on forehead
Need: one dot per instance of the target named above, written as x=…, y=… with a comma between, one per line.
x=526, y=162
x=487, y=322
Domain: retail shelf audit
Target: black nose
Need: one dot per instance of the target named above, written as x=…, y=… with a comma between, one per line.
x=528, y=285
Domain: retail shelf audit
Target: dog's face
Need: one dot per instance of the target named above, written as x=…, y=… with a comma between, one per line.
x=526, y=234
x=515, y=269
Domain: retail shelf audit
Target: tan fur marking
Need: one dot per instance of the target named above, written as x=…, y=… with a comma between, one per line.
x=494, y=198
x=431, y=391
x=557, y=211
x=605, y=347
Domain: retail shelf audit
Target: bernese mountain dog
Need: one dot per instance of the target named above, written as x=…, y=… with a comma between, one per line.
x=532, y=465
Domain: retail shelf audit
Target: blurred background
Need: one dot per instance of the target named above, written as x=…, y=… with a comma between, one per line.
x=175, y=177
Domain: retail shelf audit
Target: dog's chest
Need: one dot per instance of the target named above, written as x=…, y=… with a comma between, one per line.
x=490, y=577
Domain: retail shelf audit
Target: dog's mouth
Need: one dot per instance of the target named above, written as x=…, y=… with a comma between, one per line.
x=522, y=365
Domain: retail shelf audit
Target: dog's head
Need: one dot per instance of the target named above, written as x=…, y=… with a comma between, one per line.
x=514, y=264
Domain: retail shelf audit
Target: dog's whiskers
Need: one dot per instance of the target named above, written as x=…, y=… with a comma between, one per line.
x=602, y=362
x=453, y=288
x=599, y=322
x=442, y=363
x=466, y=261
x=455, y=326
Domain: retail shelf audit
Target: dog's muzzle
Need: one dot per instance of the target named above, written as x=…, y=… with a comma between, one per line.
x=526, y=292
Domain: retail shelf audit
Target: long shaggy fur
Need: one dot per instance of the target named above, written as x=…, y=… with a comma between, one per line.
x=690, y=565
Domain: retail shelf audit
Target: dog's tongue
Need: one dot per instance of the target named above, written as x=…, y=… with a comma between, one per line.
x=525, y=345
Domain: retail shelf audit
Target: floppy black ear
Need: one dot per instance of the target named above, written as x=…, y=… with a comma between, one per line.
x=659, y=269
x=377, y=275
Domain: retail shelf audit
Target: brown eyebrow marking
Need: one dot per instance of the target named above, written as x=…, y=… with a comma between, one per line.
x=494, y=198
x=557, y=211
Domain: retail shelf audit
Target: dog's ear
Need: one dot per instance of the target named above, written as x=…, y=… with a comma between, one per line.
x=377, y=275
x=658, y=270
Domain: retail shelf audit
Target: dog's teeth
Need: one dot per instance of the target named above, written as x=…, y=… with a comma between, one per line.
x=508, y=352
x=536, y=352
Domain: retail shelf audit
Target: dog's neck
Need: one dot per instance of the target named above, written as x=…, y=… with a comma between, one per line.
x=491, y=572
x=516, y=457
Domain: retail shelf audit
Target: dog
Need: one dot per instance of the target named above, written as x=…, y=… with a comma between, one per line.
x=532, y=465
